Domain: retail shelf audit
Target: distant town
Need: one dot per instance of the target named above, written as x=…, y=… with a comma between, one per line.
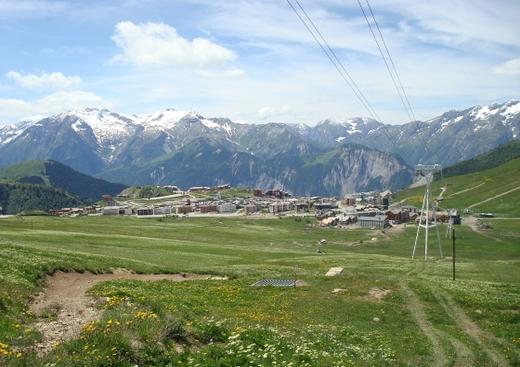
x=372, y=209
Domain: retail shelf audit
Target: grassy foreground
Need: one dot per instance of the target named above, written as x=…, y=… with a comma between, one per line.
x=425, y=319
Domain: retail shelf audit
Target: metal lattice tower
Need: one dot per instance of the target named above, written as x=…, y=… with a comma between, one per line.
x=428, y=172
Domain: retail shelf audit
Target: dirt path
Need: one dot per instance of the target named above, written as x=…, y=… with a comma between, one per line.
x=463, y=355
x=494, y=197
x=417, y=309
x=66, y=296
x=443, y=191
x=466, y=190
x=471, y=222
x=468, y=326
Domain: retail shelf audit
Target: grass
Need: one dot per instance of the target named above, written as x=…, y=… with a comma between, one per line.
x=229, y=323
x=481, y=186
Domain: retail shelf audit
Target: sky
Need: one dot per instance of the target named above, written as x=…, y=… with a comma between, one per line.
x=253, y=60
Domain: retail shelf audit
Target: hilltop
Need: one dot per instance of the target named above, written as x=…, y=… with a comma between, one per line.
x=494, y=189
x=493, y=158
x=57, y=175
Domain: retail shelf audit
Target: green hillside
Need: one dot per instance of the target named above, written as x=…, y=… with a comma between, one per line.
x=57, y=175
x=493, y=158
x=499, y=187
x=20, y=197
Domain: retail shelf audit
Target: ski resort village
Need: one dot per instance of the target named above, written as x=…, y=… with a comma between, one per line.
x=365, y=209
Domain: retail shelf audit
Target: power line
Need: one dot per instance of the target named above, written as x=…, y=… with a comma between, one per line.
x=391, y=60
x=394, y=81
x=397, y=79
x=331, y=55
x=339, y=67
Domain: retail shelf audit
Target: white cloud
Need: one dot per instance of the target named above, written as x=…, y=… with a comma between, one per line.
x=230, y=73
x=17, y=109
x=269, y=112
x=160, y=44
x=54, y=81
x=30, y=8
x=511, y=67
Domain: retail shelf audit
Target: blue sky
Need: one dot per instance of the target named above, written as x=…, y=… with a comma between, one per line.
x=252, y=60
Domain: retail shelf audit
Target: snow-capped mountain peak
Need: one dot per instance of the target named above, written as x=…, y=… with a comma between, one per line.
x=165, y=119
x=106, y=125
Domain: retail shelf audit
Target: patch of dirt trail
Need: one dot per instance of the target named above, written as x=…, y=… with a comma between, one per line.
x=415, y=306
x=468, y=326
x=466, y=190
x=464, y=356
x=377, y=294
x=494, y=197
x=472, y=223
x=66, y=295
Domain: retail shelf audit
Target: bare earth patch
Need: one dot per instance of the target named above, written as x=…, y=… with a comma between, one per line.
x=377, y=294
x=66, y=296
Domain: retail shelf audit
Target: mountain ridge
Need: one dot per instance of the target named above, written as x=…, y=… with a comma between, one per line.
x=102, y=143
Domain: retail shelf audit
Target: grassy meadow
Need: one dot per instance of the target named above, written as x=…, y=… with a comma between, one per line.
x=422, y=317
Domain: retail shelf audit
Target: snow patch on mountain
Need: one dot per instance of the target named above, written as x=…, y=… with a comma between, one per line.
x=107, y=126
x=483, y=112
x=163, y=119
x=511, y=110
x=11, y=132
x=214, y=125
x=450, y=122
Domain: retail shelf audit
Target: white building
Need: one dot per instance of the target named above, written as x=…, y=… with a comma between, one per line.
x=117, y=210
x=226, y=208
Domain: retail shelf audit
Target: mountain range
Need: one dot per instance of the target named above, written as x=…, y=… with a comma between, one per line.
x=332, y=157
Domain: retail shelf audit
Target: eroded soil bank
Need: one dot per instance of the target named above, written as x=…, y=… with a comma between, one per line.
x=67, y=305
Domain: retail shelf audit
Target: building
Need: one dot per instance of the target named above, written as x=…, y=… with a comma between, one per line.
x=252, y=208
x=302, y=207
x=377, y=221
x=185, y=209
x=163, y=210
x=387, y=194
x=347, y=219
x=349, y=201
x=276, y=193
x=410, y=209
x=397, y=216
x=454, y=216
x=145, y=211
x=207, y=209
x=108, y=200
x=280, y=206
x=324, y=206
x=117, y=210
x=227, y=208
